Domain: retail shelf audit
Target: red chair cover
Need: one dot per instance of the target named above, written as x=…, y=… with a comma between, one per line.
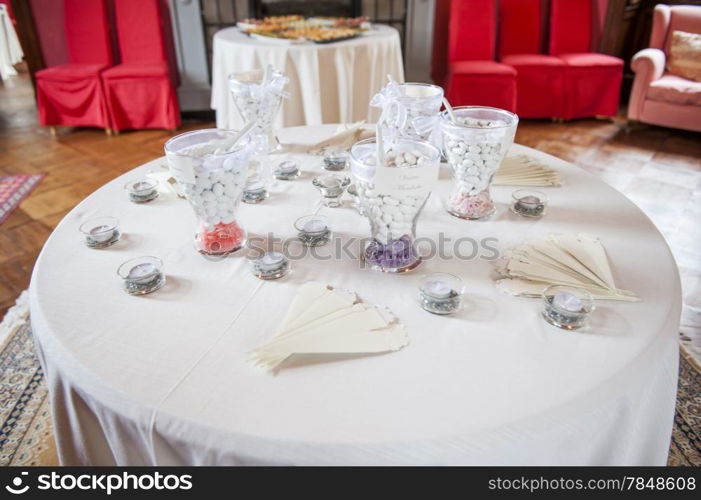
x=540, y=87
x=141, y=91
x=474, y=78
x=592, y=81
x=72, y=94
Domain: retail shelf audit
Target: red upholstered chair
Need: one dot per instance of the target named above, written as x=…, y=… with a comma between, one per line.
x=141, y=90
x=540, y=80
x=474, y=77
x=71, y=94
x=593, y=80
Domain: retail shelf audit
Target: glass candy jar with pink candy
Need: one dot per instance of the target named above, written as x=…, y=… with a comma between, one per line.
x=393, y=183
x=475, y=141
x=212, y=166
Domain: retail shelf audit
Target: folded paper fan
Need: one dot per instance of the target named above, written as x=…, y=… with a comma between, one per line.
x=576, y=260
x=322, y=320
x=523, y=170
x=343, y=139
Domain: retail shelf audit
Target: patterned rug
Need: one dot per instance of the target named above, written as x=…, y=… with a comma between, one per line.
x=13, y=190
x=26, y=437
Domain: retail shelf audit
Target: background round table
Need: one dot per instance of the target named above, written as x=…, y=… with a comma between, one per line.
x=329, y=83
x=163, y=379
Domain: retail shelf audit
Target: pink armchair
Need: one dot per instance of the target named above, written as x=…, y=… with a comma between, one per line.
x=658, y=97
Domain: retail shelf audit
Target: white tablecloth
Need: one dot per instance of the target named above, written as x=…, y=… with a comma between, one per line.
x=163, y=379
x=329, y=83
x=10, y=49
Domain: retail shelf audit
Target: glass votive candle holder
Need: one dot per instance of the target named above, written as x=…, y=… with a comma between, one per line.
x=567, y=307
x=142, y=190
x=254, y=192
x=313, y=230
x=529, y=203
x=336, y=160
x=440, y=293
x=100, y=232
x=331, y=188
x=142, y=275
x=287, y=170
x=269, y=266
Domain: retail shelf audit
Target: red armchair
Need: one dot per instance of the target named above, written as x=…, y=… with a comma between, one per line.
x=141, y=90
x=72, y=94
x=473, y=76
x=540, y=80
x=592, y=80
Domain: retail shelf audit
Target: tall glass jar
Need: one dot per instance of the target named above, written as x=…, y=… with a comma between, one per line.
x=392, y=197
x=213, y=175
x=475, y=145
x=409, y=110
x=258, y=95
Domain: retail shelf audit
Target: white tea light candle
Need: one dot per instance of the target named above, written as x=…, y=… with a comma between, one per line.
x=441, y=293
x=529, y=203
x=100, y=232
x=142, y=190
x=270, y=266
x=567, y=307
x=142, y=275
x=313, y=230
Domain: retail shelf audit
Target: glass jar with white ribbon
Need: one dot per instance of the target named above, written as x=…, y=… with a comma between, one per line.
x=409, y=110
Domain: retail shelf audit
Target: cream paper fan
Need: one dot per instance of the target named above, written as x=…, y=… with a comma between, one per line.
x=345, y=137
x=577, y=260
x=322, y=320
x=523, y=170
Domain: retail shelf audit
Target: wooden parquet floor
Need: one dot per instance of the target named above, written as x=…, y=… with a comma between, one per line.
x=659, y=169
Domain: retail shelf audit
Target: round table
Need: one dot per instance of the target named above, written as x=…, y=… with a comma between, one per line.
x=329, y=83
x=163, y=379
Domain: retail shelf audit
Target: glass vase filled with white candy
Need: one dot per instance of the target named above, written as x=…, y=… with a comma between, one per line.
x=258, y=95
x=475, y=141
x=409, y=110
x=211, y=165
x=393, y=183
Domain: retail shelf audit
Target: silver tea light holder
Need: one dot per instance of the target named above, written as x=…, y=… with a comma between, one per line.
x=100, y=232
x=529, y=203
x=336, y=160
x=269, y=265
x=441, y=293
x=567, y=307
x=142, y=190
x=254, y=192
x=142, y=275
x=287, y=170
x=313, y=230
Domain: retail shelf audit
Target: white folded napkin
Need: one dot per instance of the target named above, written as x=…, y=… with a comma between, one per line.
x=322, y=320
x=577, y=260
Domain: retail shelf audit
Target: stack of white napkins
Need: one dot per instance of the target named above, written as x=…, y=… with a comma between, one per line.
x=322, y=320
x=523, y=170
x=345, y=137
x=568, y=259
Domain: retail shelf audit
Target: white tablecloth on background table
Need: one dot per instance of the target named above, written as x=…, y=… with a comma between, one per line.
x=329, y=83
x=163, y=379
x=10, y=49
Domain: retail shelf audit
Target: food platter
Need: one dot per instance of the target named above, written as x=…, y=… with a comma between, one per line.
x=287, y=30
